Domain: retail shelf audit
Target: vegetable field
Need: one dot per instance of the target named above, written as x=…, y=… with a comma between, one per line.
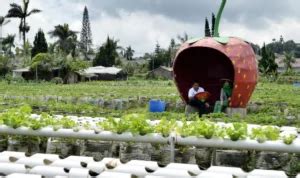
x=111, y=119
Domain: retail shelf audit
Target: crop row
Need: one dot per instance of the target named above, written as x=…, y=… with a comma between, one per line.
x=138, y=125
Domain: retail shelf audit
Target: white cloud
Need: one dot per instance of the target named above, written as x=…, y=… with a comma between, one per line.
x=139, y=28
x=287, y=28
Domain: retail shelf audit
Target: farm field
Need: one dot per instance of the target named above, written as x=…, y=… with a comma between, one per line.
x=144, y=89
x=273, y=107
x=271, y=103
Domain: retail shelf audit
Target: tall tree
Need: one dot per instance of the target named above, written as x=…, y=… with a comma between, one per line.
x=213, y=21
x=207, y=29
x=86, y=33
x=40, y=44
x=22, y=12
x=172, y=50
x=288, y=61
x=157, y=49
x=267, y=64
x=67, y=38
x=129, y=52
x=3, y=22
x=107, y=53
x=159, y=58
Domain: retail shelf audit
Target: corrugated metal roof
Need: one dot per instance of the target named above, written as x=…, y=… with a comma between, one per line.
x=100, y=70
x=75, y=166
x=26, y=69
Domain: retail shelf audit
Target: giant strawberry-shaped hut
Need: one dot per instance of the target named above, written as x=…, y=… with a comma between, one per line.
x=211, y=59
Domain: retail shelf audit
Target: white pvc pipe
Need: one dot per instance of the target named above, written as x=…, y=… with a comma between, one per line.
x=13, y=154
x=172, y=173
x=108, y=174
x=49, y=157
x=215, y=175
x=30, y=161
x=7, y=159
x=80, y=159
x=49, y=171
x=277, y=146
x=79, y=173
x=18, y=175
x=9, y=168
x=130, y=169
x=267, y=174
x=193, y=168
x=236, y=172
x=148, y=164
x=84, y=134
x=97, y=167
x=67, y=164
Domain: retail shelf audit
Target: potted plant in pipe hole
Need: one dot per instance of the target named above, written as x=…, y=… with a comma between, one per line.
x=237, y=131
x=165, y=127
x=288, y=139
x=138, y=125
x=63, y=146
x=262, y=134
x=17, y=118
x=114, y=125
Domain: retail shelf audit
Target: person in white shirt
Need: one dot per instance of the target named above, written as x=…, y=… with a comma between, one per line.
x=195, y=90
x=202, y=106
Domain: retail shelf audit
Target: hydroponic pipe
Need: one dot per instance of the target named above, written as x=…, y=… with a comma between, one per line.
x=84, y=134
x=8, y=168
x=277, y=146
x=156, y=138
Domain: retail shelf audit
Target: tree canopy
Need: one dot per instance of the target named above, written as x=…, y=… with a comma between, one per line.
x=40, y=44
x=107, y=53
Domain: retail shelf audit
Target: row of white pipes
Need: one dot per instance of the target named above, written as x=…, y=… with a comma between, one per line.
x=173, y=139
x=50, y=165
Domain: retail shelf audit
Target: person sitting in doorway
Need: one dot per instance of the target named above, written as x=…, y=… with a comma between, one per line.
x=201, y=105
x=225, y=96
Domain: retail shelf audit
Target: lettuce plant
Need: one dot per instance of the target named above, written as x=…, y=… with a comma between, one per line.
x=165, y=127
x=261, y=134
x=205, y=128
x=288, y=139
x=139, y=124
x=186, y=129
x=237, y=131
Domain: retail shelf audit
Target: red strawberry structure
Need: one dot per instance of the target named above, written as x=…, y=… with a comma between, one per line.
x=211, y=59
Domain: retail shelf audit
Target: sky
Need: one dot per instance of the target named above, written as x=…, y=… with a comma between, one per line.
x=143, y=23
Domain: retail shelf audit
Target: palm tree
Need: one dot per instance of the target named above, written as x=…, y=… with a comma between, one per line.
x=129, y=53
x=3, y=22
x=21, y=12
x=288, y=60
x=67, y=38
x=8, y=43
x=107, y=53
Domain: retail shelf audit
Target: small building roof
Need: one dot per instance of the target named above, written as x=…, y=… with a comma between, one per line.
x=167, y=68
x=26, y=69
x=100, y=70
x=164, y=68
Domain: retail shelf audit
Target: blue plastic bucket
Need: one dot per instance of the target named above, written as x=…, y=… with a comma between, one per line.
x=297, y=84
x=157, y=106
